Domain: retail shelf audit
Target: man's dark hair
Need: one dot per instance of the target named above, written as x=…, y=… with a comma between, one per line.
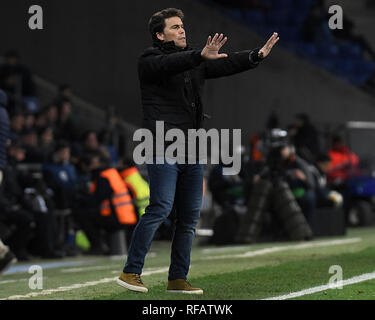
x=157, y=21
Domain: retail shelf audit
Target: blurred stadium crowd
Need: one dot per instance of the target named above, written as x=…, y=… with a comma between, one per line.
x=303, y=25
x=57, y=174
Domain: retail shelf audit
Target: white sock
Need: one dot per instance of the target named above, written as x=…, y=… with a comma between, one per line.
x=3, y=249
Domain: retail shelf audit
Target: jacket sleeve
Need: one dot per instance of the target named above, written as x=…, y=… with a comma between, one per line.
x=235, y=63
x=158, y=64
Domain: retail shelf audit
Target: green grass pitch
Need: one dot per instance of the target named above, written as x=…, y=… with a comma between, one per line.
x=225, y=273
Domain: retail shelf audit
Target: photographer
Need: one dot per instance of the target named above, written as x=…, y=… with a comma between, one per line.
x=280, y=171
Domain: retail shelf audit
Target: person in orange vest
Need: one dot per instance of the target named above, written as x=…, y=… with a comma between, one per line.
x=344, y=162
x=112, y=206
x=138, y=187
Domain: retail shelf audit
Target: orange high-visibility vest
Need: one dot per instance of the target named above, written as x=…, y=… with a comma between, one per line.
x=121, y=199
x=138, y=186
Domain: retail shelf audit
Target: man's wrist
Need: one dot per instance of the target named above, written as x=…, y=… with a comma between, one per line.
x=254, y=56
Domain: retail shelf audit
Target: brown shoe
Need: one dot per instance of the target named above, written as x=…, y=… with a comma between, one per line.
x=131, y=281
x=182, y=286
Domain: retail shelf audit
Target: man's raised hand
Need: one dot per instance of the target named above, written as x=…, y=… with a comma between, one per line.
x=211, y=50
x=264, y=52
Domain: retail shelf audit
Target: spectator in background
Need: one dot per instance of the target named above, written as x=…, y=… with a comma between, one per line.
x=65, y=92
x=52, y=116
x=46, y=144
x=14, y=210
x=29, y=139
x=29, y=120
x=344, y=162
x=17, y=122
x=324, y=196
x=315, y=28
x=110, y=207
x=347, y=35
x=105, y=141
x=90, y=143
x=15, y=79
x=41, y=121
x=305, y=138
x=137, y=186
x=35, y=199
x=300, y=180
x=66, y=124
x=60, y=175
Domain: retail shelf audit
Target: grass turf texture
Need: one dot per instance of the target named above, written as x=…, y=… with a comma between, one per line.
x=248, y=278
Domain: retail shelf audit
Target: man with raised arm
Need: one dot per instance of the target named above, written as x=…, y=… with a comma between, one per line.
x=172, y=76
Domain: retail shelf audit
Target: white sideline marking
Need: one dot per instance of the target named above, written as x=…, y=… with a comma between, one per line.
x=17, y=280
x=77, y=286
x=285, y=248
x=223, y=249
x=356, y=279
x=68, y=270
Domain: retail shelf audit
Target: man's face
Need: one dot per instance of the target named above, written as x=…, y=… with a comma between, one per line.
x=173, y=31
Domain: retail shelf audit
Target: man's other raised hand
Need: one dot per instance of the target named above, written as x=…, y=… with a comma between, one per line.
x=211, y=50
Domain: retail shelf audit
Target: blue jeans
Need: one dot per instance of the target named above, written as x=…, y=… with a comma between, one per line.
x=179, y=183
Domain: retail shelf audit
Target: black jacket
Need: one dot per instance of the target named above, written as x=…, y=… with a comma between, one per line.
x=172, y=80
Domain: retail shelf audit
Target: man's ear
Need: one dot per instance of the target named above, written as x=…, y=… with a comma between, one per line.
x=160, y=36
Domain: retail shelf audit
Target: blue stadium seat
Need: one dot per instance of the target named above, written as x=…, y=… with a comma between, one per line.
x=345, y=66
x=328, y=51
x=363, y=67
x=350, y=50
x=306, y=49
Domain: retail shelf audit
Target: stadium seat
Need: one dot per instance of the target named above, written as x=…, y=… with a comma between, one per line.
x=306, y=49
x=327, y=51
x=350, y=50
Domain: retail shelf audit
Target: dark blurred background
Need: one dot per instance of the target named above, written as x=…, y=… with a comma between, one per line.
x=73, y=85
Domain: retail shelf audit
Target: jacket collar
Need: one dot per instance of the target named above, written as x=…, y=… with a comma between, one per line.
x=168, y=47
